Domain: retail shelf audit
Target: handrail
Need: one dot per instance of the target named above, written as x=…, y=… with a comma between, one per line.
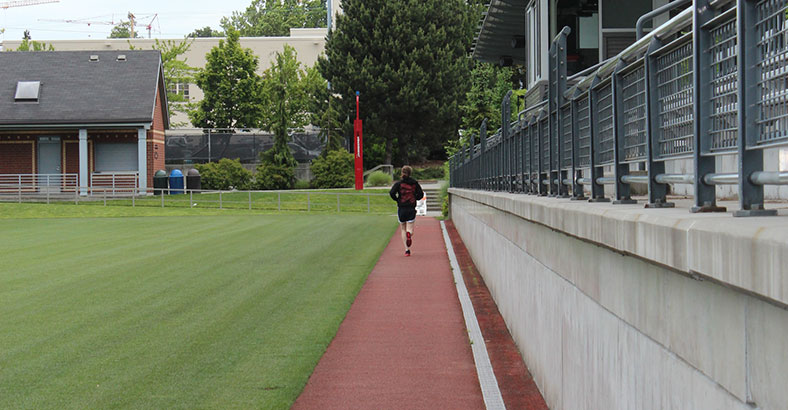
x=692, y=88
x=656, y=12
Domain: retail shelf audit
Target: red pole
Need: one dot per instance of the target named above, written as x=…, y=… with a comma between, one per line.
x=359, y=152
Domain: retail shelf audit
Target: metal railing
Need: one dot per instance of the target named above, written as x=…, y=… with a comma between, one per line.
x=38, y=183
x=287, y=200
x=711, y=81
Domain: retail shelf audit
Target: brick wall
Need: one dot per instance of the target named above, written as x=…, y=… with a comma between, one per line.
x=17, y=157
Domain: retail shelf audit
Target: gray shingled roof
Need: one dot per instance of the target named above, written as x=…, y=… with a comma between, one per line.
x=75, y=90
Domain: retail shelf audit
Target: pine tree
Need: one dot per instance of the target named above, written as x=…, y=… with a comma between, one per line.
x=408, y=60
x=231, y=86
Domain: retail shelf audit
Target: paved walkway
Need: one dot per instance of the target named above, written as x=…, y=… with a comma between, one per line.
x=403, y=344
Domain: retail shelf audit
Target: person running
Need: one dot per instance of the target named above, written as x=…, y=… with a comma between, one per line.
x=406, y=192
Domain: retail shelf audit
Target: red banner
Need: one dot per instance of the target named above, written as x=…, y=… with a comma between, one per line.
x=359, y=154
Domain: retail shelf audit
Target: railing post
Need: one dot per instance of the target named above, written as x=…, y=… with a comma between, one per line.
x=308, y=203
x=250, y=200
x=483, y=162
x=657, y=193
x=220, y=200
x=544, y=169
x=556, y=102
x=19, y=189
x=338, y=206
x=279, y=201
x=191, y=198
x=620, y=169
x=368, y=207
x=597, y=190
x=750, y=160
x=162, y=197
x=705, y=195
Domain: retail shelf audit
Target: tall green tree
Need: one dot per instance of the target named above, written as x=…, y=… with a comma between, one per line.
x=206, y=31
x=232, y=89
x=488, y=85
x=123, y=30
x=277, y=17
x=408, y=60
x=176, y=71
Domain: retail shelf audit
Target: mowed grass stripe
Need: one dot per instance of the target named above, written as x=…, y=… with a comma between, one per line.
x=175, y=312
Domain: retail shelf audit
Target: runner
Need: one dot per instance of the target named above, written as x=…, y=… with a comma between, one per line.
x=406, y=192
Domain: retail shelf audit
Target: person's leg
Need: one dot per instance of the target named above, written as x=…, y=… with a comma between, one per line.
x=403, y=230
x=409, y=233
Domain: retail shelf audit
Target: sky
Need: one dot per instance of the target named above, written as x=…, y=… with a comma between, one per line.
x=175, y=18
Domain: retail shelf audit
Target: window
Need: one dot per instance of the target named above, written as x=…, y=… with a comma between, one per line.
x=180, y=89
x=27, y=91
x=533, y=29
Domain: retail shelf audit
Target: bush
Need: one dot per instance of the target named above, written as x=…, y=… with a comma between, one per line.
x=225, y=174
x=444, y=195
x=274, y=176
x=379, y=178
x=334, y=170
x=425, y=173
x=302, y=184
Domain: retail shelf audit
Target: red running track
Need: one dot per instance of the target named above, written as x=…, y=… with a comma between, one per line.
x=403, y=344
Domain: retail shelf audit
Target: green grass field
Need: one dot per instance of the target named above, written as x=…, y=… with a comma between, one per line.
x=200, y=311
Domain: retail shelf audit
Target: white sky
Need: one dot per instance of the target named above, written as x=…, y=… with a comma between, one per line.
x=176, y=18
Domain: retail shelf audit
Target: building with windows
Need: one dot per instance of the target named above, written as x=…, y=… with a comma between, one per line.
x=77, y=120
x=309, y=43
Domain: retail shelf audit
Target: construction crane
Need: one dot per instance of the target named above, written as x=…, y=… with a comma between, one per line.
x=132, y=22
x=21, y=3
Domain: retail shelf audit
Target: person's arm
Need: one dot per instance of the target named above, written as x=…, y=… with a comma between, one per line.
x=419, y=192
x=394, y=191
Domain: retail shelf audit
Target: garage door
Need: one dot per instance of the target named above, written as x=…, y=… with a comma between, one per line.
x=116, y=157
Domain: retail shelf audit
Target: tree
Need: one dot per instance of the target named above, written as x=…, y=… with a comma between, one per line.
x=176, y=71
x=408, y=60
x=324, y=111
x=277, y=17
x=489, y=84
x=206, y=31
x=231, y=87
x=286, y=100
x=28, y=44
x=123, y=30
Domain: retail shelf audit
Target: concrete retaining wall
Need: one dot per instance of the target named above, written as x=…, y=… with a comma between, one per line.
x=625, y=308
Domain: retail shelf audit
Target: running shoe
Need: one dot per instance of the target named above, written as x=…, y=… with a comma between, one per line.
x=409, y=241
x=407, y=253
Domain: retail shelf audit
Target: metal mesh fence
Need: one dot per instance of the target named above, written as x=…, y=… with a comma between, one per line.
x=212, y=145
x=583, y=133
x=723, y=123
x=633, y=89
x=772, y=57
x=603, y=117
x=566, y=136
x=545, y=137
x=675, y=93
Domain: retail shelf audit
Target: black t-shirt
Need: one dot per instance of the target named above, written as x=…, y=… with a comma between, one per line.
x=406, y=192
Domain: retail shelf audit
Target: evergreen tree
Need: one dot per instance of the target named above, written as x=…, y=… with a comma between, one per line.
x=232, y=89
x=408, y=60
x=277, y=17
x=123, y=30
x=206, y=31
x=286, y=101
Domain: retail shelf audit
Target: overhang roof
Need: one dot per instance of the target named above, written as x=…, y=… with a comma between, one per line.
x=503, y=20
x=76, y=90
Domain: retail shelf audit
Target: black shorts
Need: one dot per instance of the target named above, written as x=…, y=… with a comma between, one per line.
x=406, y=214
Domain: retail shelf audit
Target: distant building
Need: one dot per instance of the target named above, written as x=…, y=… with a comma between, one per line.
x=73, y=119
x=309, y=43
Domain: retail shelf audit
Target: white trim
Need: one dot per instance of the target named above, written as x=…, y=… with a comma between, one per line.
x=142, y=159
x=487, y=381
x=83, y=161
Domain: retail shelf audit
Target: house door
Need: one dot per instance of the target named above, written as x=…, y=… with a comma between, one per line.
x=49, y=164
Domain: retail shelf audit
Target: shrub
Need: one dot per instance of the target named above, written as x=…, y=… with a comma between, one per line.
x=302, y=184
x=444, y=195
x=427, y=173
x=334, y=170
x=274, y=176
x=225, y=174
x=379, y=178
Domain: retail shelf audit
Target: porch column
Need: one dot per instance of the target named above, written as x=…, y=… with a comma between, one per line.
x=83, y=161
x=142, y=159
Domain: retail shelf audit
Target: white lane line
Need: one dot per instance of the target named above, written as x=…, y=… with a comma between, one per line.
x=487, y=380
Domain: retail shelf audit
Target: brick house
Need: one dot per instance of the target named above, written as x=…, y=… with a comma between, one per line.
x=82, y=118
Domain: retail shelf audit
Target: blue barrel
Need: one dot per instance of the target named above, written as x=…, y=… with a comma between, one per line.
x=176, y=182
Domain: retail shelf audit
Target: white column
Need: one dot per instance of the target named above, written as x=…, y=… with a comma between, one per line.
x=142, y=159
x=83, y=161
